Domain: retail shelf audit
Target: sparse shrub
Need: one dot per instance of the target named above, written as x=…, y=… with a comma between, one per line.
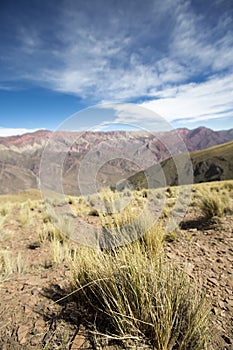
x=228, y=186
x=170, y=236
x=61, y=251
x=112, y=202
x=6, y=234
x=43, y=233
x=47, y=218
x=170, y=203
x=214, y=205
x=124, y=227
x=92, y=202
x=3, y=220
x=56, y=233
x=11, y=264
x=159, y=194
x=80, y=200
x=4, y=211
x=24, y=216
x=127, y=193
x=134, y=295
x=166, y=212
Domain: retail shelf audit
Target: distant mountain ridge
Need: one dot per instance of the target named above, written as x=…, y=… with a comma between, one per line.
x=211, y=164
x=200, y=137
x=20, y=156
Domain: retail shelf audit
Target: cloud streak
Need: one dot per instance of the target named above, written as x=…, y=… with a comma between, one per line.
x=4, y=132
x=195, y=102
x=170, y=52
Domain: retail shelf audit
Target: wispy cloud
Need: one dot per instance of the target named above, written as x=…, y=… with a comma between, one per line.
x=15, y=131
x=136, y=117
x=195, y=102
x=176, y=53
x=189, y=103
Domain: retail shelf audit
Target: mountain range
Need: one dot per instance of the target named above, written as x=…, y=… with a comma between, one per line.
x=118, y=155
x=211, y=164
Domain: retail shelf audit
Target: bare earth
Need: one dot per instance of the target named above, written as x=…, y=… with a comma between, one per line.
x=30, y=317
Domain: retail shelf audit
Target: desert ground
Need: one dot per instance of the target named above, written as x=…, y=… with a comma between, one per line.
x=54, y=293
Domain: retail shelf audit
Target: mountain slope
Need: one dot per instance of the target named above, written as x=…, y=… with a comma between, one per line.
x=20, y=156
x=211, y=164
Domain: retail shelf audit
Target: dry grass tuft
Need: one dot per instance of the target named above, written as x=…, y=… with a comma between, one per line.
x=214, y=204
x=10, y=263
x=133, y=293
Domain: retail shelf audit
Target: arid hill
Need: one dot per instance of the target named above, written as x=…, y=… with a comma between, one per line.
x=20, y=156
x=211, y=164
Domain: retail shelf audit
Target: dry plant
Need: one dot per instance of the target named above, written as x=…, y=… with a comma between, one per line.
x=213, y=204
x=6, y=234
x=51, y=231
x=4, y=211
x=10, y=263
x=4, y=214
x=24, y=215
x=61, y=252
x=135, y=294
x=141, y=298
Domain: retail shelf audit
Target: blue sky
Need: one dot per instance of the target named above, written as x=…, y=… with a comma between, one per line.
x=60, y=56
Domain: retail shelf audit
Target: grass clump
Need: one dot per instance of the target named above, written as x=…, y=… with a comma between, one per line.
x=24, y=215
x=170, y=236
x=10, y=263
x=214, y=205
x=4, y=211
x=61, y=252
x=134, y=294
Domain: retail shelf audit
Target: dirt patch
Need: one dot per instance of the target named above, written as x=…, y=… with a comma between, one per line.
x=33, y=316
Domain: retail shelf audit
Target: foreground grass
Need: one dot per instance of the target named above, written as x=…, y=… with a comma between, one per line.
x=134, y=294
x=130, y=293
x=213, y=199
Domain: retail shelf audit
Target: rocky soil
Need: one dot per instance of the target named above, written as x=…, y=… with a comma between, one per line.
x=32, y=317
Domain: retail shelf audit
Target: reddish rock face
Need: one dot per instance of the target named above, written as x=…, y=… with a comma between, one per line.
x=196, y=139
x=20, y=156
x=26, y=139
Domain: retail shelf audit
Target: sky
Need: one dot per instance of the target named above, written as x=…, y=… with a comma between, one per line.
x=59, y=57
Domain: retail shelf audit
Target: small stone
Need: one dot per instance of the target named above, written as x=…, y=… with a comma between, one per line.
x=35, y=291
x=230, y=302
x=35, y=340
x=39, y=325
x=80, y=341
x=221, y=304
x=38, y=308
x=213, y=281
x=22, y=333
x=189, y=268
x=197, y=259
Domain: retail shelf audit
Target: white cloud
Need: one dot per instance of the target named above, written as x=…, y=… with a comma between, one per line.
x=167, y=50
x=114, y=62
x=4, y=87
x=188, y=103
x=137, y=117
x=195, y=102
x=15, y=131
